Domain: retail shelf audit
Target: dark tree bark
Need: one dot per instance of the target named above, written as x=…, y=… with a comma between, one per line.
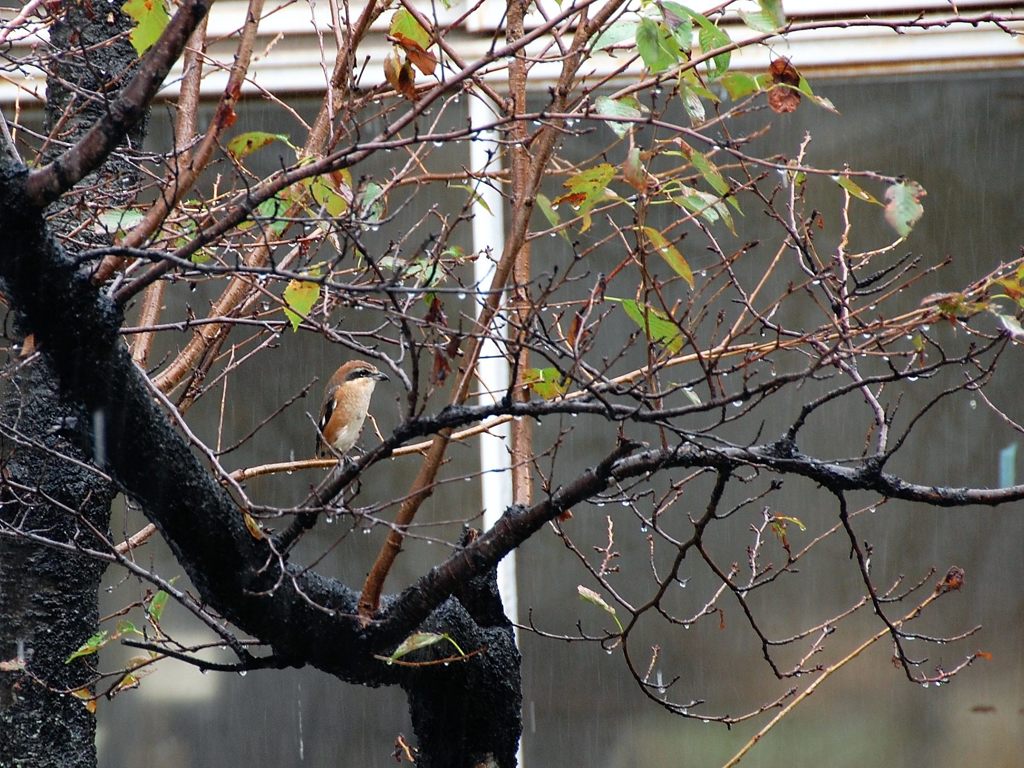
x=48, y=597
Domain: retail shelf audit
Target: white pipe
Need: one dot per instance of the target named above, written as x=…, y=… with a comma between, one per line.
x=493, y=367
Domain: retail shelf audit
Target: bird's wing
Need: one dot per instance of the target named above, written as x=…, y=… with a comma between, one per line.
x=325, y=415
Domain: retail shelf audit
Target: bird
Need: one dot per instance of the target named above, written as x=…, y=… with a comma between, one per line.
x=346, y=400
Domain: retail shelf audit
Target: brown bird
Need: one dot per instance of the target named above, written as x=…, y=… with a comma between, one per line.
x=343, y=412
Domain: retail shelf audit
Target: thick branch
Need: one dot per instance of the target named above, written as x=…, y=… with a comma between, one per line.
x=49, y=182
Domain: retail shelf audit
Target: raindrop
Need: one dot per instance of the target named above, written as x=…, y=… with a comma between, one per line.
x=462, y=295
x=438, y=143
x=643, y=528
x=737, y=403
x=242, y=672
x=813, y=282
x=366, y=531
x=973, y=403
x=912, y=378
x=609, y=651
x=99, y=437
x=682, y=584
x=926, y=327
x=302, y=741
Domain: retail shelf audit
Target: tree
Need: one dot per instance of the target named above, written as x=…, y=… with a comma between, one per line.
x=681, y=363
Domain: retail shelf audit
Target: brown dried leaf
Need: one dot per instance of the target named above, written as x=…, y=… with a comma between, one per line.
x=424, y=60
x=784, y=96
x=400, y=76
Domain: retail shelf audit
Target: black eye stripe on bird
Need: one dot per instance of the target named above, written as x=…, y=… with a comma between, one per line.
x=345, y=403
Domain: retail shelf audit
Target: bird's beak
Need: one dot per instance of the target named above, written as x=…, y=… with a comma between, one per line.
x=381, y=376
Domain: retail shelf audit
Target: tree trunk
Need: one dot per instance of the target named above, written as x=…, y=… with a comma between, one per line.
x=48, y=595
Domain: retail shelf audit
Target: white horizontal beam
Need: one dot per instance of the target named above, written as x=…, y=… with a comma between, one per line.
x=294, y=53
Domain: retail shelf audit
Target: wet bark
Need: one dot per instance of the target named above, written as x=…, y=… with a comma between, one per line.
x=48, y=596
x=468, y=714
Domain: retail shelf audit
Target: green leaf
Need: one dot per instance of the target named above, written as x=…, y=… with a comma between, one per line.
x=619, y=32
x=371, y=203
x=669, y=253
x=903, y=207
x=658, y=327
x=404, y=24
x=759, y=21
x=594, y=598
x=1011, y=325
x=692, y=104
x=120, y=220
x=628, y=108
x=414, y=642
x=855, y=189
x=245, y=144
x=474, y=196
x=805, y=88
x=739, y=84
x=330, y=191
x=151, y=18
x=773, y=9
x=789, y=519
x=272, y=211
x=299, y=297
x=679, y=19
x=90, y=646
x=586, y=189
x=707, y=206
x=156, y=606
x=769, y=19
x=709, y=171
x=546, y=382
x=549, y=213
x=710, y=38
x=125, y=627
x=657, y=46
